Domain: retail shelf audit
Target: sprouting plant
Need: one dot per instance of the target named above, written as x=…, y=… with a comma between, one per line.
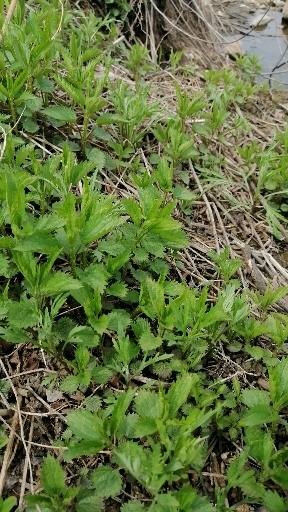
x=250, y=64
x=138, y=61
x=188, y=107
x=175, y=58
x=56, y=496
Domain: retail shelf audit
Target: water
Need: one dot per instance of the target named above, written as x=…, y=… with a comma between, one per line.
x=271, y=43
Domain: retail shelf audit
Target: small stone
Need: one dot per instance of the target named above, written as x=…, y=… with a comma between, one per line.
x=260, y=21
x=53, y=396
x=234, y=49
x=243, y=508
x=285, y=11
x=279, y=4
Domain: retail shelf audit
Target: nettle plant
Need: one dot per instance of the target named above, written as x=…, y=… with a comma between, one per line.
x=87, y=277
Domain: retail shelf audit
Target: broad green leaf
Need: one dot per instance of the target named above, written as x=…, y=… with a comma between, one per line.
x=38, y=242
x=14, y=335
x=114, y=264
x=148, y=341
x=69, y=384
x=148, y=404
x=44, y=84
x=27, y=266
x=280, y=477
x=15, y=200
x=119, y=318
x=4, y=265
x=133, y=506
x=129, y=456
x=101, y=374
x=107, y=481
x=184, y=194
x=76, y=450
x=57, y=283
x=29, y=125
x=22, y=314
x=258, y=415
x=156, y=294
x=90, y=503
x=61, y=113
x=98, y=226
x=167, y=501
x=83, y=335
x=189, y=500
x=85, y=425
x=273, y=502
x=133, y=209
x=251, y=397
x=179, y=392
x=52, y=476
x=259, y=443
x=145, y=427
x=95, y=275
x=121, y=405
x=282, y=371
x=82, y=356
x=32, y=102
x=127, y=426
x=117, y=290
x=169, y=230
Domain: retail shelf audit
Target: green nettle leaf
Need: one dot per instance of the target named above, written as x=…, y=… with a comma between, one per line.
x=133, y=506
x=4, y=265
x=32, y=102
x=281, y=370
x=85, y=425
x=117, y=290
x=69, y=384
x=83, y=335
x=273, y=502
x=52, y=476
x=121, y=405
x=148, y=404
x=148, y=341
x=38, y=242
x=133, y=209
x=14, y=336
x=30, y=126
x=76, y=450
x=179, y=392
x=118, y=319
x=251, y=397
x=190, y=500
x=107, y=481
x=258, y=415
x=60, y=113
x=145, y=427
x=156, y=294
x=90, y=503
x=44, y=84
x=98, y=226
x=58, y=282
x=22, y=314
x=129, y=456
x=96, y=276
x=280, y=477
x=101, y=374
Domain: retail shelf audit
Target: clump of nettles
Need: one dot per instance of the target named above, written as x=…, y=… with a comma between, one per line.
x=162, y=370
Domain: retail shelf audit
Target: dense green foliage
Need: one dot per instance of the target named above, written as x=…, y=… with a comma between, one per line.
x=89, y=276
